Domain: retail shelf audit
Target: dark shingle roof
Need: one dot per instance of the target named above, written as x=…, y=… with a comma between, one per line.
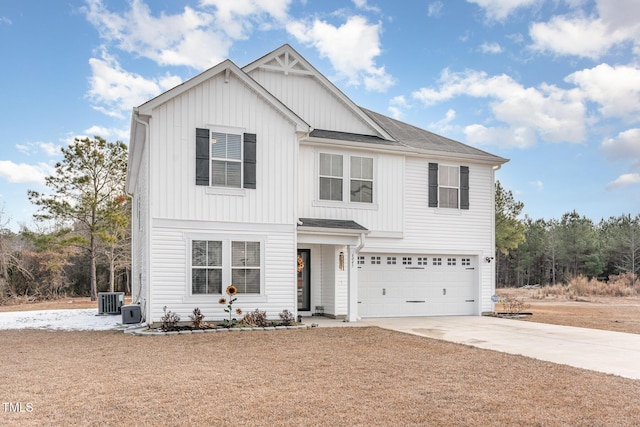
x=338, y=224
x=415, y=137
x=352, y=137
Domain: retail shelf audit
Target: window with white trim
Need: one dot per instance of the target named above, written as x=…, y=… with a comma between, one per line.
x=391, y=260
x=245, y=267
x=437, y=261
x=226, y=160
x=215, y=264
x=448, y=186
x=361, y=179
x=331, y=175
x=333, y=184
x=206, y=267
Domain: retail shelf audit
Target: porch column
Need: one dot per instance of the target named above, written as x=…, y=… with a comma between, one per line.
x=352, y=284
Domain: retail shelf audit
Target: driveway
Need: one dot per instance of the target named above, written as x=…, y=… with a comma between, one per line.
x=604, y=351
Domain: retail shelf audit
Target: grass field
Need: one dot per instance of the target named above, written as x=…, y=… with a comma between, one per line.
x=318, y=377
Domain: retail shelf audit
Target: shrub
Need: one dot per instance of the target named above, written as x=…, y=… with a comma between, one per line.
x=286, y=318
x=169, y=320
x=255, y=318
x=513, y=305
x=197, y=318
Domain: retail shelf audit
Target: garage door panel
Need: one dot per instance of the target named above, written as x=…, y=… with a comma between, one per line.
x=417, y=285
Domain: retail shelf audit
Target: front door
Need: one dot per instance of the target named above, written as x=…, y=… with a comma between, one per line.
x=304, y=279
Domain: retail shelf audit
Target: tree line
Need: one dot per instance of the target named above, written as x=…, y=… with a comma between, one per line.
x=82, y=242
x=550, y=252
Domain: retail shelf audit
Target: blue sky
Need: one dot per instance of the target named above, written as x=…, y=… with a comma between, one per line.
x=552, y=85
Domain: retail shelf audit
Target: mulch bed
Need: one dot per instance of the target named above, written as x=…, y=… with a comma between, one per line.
x=320, y=376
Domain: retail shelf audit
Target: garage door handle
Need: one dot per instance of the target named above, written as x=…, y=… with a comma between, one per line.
x=415, y=301
x=470, y=300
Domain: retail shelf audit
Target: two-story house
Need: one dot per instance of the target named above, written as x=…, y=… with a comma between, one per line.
x=269, y=178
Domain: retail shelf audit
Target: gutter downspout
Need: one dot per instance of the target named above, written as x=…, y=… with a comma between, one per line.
x=147, y=223
x=352, y=294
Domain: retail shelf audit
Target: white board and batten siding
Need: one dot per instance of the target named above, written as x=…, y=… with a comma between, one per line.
x=311, y=101
x=182, y=210
x=385, y=215
x=234, y=105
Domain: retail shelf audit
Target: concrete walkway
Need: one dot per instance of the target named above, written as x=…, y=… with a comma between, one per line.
x=604, y=351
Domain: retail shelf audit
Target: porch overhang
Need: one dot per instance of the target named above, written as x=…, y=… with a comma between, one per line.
x=330, y=231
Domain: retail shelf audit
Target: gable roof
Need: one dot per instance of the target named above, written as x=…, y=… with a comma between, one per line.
x=423, y=140
x=287, y=60
x=226, y=67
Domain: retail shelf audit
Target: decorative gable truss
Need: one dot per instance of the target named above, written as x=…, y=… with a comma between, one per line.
x=286, y=63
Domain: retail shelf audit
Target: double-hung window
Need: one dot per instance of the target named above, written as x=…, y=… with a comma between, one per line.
x=331, y=177
x=245, y=267
x=361, y=179
x=448, y=186
x=215, y=264
x=206, y=267
x=226, y=160
x=340, y=175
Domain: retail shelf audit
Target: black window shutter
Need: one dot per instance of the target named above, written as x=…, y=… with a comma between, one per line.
x=250, y=160
x=433, y=185
x=464, y=187
x=202, y=157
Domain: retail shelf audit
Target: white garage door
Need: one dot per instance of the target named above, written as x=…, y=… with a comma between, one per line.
x=392, y=285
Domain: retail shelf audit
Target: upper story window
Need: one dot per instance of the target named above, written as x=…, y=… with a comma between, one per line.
x=331, y=177
x=361, y=179
x=225, y=158
x=448, y=186
x=333, y=184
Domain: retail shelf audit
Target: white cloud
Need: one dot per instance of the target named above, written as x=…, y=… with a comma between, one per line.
x=237, y=18
x=351, y=48
x=626, y=146
x=520, y=137
x=444, y=125
x=362, y=4
x=493, y=48
x=5, y=20
x=435, y=8
x=114, y=90
x=19, y=173
x=500, y=9
x=554, y=114
x=625, y=180
x=615, y=88
x=589, y=35
x=48, y=148
x=107, y=133
x=187, y=39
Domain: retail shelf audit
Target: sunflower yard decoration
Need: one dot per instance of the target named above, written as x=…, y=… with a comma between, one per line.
x=231, y=291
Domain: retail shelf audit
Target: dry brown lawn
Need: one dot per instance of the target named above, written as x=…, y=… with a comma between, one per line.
x=620, y=314
x=318, y=377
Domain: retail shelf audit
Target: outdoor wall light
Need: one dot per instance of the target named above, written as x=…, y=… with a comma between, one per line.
x=341, y=261
x=488, y=259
